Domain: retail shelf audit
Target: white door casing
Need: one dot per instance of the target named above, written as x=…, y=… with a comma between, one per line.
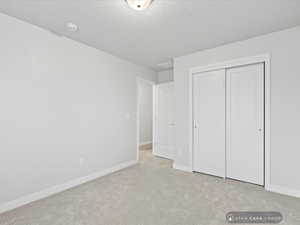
x=262, y=58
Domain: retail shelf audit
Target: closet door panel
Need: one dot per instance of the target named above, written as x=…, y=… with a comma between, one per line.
x=245, y=123
x=209, y=123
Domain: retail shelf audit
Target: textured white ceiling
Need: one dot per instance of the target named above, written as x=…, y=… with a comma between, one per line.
x=169, y=28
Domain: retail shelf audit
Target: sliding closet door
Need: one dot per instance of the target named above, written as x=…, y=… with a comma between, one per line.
x=209, y=123
x=245, y=123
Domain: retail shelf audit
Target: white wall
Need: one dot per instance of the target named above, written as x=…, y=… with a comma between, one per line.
x=61, y=101
x=165, y=76
x=145, y=111
x=284, y=48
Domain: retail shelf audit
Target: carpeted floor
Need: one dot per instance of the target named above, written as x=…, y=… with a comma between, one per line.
x=152, y=193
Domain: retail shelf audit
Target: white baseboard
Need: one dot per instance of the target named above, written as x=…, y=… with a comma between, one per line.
x=146, y=143
x=284, y=190
x=62, y=187
x=182, y=168
x=161, y=155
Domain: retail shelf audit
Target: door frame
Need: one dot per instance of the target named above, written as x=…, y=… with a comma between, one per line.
x=153, y=84
x=263, y=58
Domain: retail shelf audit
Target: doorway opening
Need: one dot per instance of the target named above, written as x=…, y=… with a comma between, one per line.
x=145, y=115
x=155, y=123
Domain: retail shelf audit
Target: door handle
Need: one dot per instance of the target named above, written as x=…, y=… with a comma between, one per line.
x=195, y=124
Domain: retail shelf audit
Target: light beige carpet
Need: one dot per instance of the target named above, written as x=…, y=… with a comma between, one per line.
x=152, y=193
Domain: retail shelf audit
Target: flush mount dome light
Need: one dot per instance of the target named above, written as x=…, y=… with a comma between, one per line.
x=139, y=4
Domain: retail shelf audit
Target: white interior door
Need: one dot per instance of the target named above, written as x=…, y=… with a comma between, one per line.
x=245, y=123
x=165, y=121
x=209, y=122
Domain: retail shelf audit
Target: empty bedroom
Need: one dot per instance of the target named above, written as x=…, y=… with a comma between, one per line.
x=149, y=112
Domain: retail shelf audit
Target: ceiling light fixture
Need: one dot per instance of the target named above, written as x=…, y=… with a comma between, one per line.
x=139, y=4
